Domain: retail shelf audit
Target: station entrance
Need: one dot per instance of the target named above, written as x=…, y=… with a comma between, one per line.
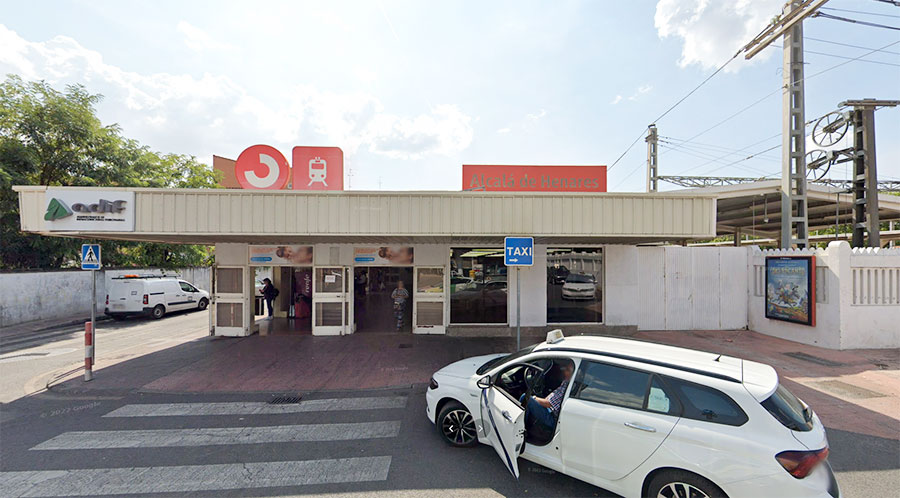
x=292, y=308
x=374, y=290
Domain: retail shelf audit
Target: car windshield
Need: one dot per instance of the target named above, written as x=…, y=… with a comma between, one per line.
x=580, y=279
x=789, y=410
x=503, y=359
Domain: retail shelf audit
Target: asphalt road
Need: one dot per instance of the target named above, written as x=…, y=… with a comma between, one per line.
x=361, y=443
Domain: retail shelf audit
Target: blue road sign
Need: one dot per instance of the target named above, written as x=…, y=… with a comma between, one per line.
x=518, y=251
x=90, y=256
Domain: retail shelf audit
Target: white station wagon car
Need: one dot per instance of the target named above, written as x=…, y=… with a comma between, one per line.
x=639, y=419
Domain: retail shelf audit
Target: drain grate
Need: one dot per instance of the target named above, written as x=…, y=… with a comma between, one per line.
x=814, y=359
x=285, y=400
x=405, y=346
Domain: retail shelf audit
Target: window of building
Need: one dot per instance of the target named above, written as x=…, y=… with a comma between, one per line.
x=574, y=285
x=478, y=292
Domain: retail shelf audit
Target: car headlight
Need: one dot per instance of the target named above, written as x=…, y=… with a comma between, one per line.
x=432, y=384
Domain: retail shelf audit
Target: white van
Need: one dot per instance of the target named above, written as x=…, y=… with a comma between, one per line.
x=152, y=295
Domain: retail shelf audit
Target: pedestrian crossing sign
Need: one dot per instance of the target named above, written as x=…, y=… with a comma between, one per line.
x=90, y=256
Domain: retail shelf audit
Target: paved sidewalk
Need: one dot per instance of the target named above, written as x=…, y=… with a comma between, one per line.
x=856, y=391
x=853, y=390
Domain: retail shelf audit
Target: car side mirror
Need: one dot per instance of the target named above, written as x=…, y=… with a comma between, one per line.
x=484, y=382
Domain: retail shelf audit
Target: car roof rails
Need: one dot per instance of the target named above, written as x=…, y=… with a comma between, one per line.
x=128, y=276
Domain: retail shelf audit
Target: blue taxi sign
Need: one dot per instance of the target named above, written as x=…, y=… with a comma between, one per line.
x=518, y=251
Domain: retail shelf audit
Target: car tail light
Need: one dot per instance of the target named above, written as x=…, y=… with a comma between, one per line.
x=146, y=299
x=107, y=299
x=800, y=463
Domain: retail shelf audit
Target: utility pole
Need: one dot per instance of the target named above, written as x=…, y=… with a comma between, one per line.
x=864, y=183
x=794, y=215
x=652, y=158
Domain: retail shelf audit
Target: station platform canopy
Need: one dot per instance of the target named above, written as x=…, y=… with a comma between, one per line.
x=754, y=208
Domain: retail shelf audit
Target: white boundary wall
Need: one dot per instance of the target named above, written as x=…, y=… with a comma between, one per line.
x=857, y=298
x=676, y=288
x=55, y=295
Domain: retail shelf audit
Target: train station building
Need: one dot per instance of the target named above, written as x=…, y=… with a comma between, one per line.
x=602, y=261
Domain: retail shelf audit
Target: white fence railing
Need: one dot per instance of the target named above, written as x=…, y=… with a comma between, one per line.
x=876, y=286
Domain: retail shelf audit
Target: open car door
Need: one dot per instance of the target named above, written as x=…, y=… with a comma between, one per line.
x=504, y=421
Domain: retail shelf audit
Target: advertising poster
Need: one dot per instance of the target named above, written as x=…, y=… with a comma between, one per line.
x=791, y=289
x=281, y=255
x=385, y=255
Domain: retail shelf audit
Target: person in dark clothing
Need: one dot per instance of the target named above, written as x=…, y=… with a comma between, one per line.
x=269, y=293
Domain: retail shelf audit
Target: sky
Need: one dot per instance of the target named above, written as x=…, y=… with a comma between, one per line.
x=411, y=90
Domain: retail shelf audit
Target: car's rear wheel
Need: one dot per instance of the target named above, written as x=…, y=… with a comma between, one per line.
x=456, y=425
x=682, y=484
x=158, y=312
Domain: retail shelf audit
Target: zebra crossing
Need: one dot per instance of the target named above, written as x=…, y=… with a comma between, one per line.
x=199, y=433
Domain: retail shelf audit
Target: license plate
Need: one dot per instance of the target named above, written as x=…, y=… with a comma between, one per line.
x=118, y=306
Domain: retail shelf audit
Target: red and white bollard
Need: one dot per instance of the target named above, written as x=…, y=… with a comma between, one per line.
x=88, y=351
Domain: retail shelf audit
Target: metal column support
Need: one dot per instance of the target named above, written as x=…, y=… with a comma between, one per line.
x=652, y=159
x=865, y=180
x=794, y=220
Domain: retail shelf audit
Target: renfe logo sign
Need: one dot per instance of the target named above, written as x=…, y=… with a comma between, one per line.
x=314, y=168
x=534, y=178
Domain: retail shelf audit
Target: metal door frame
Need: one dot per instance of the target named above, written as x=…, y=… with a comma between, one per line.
x=343, y=296
x=429, y=297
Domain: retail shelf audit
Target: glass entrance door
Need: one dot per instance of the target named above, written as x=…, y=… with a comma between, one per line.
x=331, y=301
x=428, y=300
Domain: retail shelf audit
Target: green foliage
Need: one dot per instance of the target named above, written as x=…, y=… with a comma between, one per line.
x=51, y=137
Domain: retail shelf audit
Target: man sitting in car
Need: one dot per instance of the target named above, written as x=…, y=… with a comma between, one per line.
x=545, y=411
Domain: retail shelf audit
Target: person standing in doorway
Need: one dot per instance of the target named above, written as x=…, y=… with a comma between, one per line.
x=269, y=293
x=400, y=295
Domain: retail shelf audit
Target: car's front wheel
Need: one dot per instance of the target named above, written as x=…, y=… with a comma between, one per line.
x=203, y=304
x=456, y=425
x=682, y=484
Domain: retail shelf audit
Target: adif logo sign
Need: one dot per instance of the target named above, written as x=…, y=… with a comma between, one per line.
x=314, y=168
x=70, y=209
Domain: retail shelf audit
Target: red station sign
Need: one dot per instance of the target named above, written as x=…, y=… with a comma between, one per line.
x=534, y=178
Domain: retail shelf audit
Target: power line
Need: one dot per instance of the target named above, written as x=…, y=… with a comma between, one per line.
x=742, y=149
x=676, y=104
x=707, y=154
x=892, y=2
x=627, y=176
x=855, y=21
x=849, y=45
x=782, y=88
x=843, y=57
x=724, y=164
x=860, y=12
x=718, y=148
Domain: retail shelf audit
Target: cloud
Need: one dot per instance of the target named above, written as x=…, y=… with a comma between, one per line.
x=641, y=90
x=712, y=31
x=504, y=131
x=212, y=113
x=533, y=118
x=198, y=40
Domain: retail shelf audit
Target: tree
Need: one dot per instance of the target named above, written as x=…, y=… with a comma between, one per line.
x=51, y=137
